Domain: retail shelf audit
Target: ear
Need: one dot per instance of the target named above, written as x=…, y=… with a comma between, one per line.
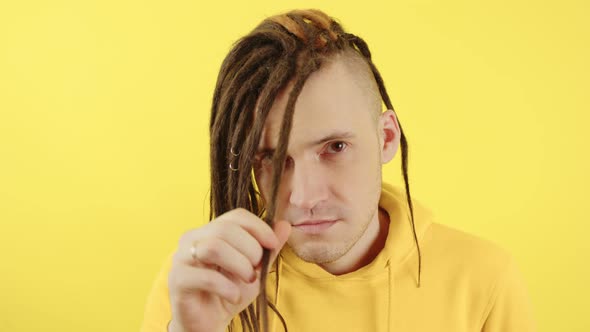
x=389, y=135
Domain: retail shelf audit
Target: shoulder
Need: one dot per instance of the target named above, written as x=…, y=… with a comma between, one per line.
x=478, y=266
x=466, y=251
x=470, y=264
x=465, y=269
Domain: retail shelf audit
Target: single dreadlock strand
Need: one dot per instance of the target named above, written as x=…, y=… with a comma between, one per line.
x=278, y=276
x=405, y=153
x=250, y=316
x=254, y=204
x=363, y=47
x=405, y=150
x=254, y=318
x=215, y=174
x=360, y=44
x=218, y=175
x=276, y=311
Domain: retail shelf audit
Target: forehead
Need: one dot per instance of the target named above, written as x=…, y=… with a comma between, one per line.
x=331, y=100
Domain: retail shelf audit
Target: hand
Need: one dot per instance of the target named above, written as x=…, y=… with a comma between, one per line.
x=223, y=277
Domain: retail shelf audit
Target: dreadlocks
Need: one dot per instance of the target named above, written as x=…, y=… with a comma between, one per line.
x=283, y=49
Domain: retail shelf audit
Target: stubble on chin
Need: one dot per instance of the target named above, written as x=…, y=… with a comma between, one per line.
x=320, y=251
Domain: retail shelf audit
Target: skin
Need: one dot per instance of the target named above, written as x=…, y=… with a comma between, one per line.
x=337, y=146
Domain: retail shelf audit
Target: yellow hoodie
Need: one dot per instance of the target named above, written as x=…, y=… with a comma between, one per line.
x=468, y=284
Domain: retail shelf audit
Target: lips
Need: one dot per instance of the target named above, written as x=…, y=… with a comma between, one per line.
x=315, y=226
x=314, y=222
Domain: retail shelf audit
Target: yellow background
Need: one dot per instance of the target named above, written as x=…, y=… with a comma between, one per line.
x=104, y=112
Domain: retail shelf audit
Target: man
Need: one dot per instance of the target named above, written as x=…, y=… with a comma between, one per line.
x=304, y=235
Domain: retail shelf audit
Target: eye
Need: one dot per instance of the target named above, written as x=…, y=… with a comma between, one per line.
x=265, y=159
x=336, y=147
x=262, y=160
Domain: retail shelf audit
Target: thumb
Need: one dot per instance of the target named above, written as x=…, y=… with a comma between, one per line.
x=282, y=229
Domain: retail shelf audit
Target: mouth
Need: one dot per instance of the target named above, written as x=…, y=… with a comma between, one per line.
x=315, y=226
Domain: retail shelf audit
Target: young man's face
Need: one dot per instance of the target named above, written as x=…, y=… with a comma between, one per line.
x=332, y=177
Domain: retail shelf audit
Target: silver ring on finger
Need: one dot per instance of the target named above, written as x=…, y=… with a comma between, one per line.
x=194, y=252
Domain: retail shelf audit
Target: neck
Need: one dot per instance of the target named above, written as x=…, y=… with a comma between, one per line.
x=365, y=249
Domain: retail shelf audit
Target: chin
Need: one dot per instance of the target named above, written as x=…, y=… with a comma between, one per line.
x=318, y=252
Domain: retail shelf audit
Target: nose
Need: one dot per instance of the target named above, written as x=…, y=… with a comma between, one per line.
x=308, y=186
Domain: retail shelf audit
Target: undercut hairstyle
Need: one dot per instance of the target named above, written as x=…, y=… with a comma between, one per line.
x=282, y=49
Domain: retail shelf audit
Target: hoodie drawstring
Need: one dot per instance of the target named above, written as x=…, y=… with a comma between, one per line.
x=390, y=286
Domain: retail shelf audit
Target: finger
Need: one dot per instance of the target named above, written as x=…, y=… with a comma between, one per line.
x=187, y=278
x=218, y=252
x=262, y=232
x=230, y=232
x=282, y=229
x=233, y=234
x=241, y=240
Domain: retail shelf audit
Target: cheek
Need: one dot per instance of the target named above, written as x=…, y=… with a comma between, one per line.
x=358, y=167
x=359, y=177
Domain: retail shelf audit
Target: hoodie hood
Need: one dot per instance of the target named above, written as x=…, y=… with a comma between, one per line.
x=399, y=246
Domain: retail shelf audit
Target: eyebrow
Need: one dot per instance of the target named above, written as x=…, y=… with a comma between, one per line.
x=333, y=136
